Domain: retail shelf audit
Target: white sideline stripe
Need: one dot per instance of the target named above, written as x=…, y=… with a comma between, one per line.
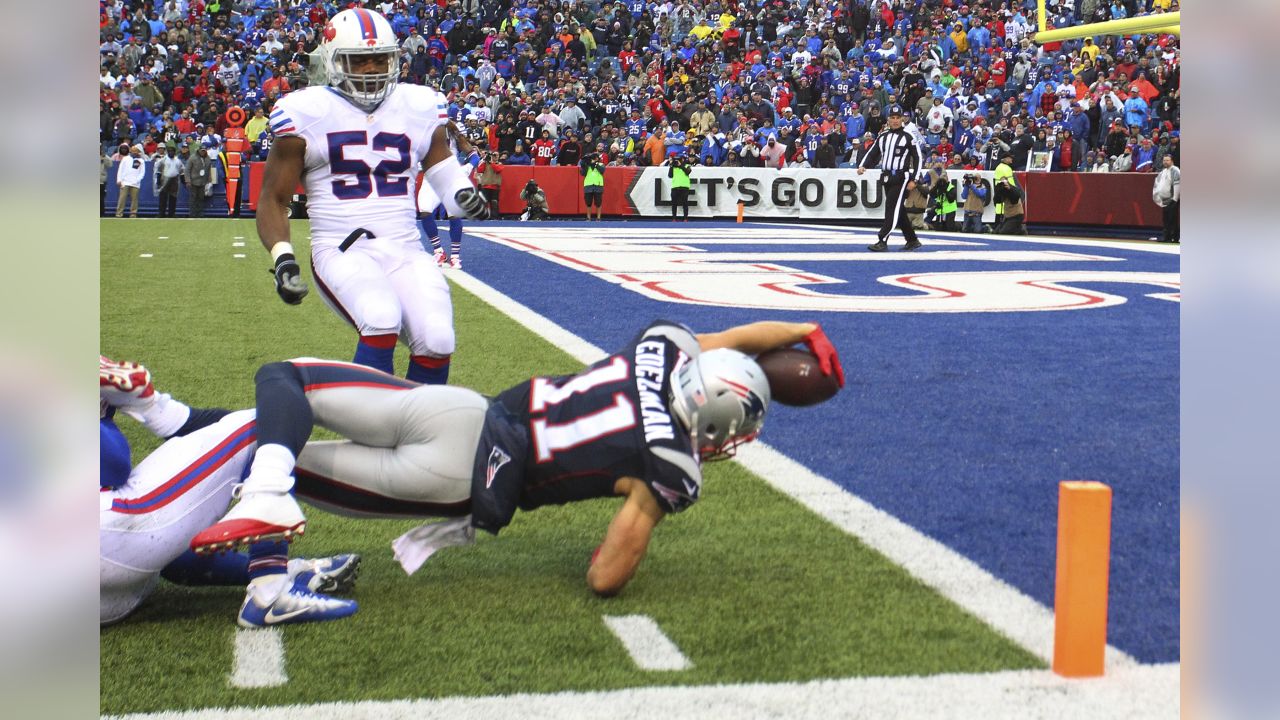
x=146, y=255
x=648, y=646
x=259, y=658
x=1006, y=609
x=1015, y=615
x=1143, y=691
x=1165, y=249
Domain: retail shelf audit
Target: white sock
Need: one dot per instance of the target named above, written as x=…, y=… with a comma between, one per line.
x=268, y=587
x=272, y=470
x=164, y=417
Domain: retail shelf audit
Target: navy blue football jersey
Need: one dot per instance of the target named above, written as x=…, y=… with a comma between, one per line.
x=571, y=437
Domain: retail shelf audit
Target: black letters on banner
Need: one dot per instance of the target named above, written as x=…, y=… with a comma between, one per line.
x=749, y=191
x=784, y=194
x=658, y=199
x=711, y=184
x=811, y=192
x=867, y=200
x=846, y=194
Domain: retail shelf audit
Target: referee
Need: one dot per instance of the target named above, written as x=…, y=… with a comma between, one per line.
x=900, y=160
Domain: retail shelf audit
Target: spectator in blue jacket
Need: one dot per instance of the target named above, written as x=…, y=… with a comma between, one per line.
x=1136, y=110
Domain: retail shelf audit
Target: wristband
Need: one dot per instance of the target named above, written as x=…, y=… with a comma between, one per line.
x=281, y=248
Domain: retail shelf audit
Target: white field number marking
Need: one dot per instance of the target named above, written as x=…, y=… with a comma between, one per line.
x=648, y=646
x=259, y=659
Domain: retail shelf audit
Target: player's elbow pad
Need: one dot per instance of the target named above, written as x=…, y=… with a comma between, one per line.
x=452, y=183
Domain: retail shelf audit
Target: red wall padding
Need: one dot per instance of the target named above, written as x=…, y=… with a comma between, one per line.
x=1122, y=199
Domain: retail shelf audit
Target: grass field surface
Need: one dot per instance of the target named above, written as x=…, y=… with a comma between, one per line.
x=751, y=586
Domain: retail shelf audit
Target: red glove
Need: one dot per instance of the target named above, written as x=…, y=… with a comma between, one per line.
x=828, y=359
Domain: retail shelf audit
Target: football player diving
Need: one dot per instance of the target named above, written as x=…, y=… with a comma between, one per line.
x=637, y=424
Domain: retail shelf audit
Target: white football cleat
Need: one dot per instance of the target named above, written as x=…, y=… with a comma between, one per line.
x=263, y=515
x=439, y=257
x=455, y=262
x=124, y=384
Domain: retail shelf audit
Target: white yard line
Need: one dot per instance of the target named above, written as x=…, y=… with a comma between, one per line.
x=237, y=255
x=648, y=646
x=1144, y=691
x=237, y=244
x=1014, y=614
x=146, y=255
x=259, y=659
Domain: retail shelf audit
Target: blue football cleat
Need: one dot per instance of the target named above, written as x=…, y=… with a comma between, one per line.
x=335, y=574
x=296, y=603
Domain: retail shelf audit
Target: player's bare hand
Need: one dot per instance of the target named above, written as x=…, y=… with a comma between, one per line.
x=861, y=170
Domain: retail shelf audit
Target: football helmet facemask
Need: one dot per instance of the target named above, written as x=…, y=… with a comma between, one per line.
x=721, y=397
x=350, y=39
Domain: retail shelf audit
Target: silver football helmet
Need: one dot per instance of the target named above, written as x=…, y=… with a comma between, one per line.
x=721, y=397
x=351, y=36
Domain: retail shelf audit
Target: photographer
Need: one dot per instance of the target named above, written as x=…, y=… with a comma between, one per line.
x=535, y=202
x=974, y=196
x=678, y=170
x=489, y=177
x=592, y=183
x=943, y=193
x=1007, y=192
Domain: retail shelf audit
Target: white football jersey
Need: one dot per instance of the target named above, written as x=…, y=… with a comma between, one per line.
x=360, y=168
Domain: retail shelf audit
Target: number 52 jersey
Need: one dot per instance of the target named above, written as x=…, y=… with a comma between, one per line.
x=554, y=440
x=360, y=167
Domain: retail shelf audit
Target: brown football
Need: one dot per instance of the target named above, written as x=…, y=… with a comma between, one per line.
x=795, y=378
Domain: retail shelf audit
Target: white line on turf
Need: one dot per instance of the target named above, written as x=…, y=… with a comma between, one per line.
x=648, y=646
x=237, y=237
x=1145, y=691
x=164, y=237
x=259, y=659
x=146, y=255
x=237, y=244
x=237, y=255
x=1019, y=617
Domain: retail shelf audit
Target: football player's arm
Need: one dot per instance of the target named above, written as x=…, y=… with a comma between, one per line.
x=451, y=181
x=759, y=337
x=626, y=541
x=280, y=177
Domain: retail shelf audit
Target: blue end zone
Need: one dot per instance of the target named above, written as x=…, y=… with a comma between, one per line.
x=960, y=424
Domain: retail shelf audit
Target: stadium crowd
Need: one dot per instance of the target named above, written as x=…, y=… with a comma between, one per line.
x=750, y=83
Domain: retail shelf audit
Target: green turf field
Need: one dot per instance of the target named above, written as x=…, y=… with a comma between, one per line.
x=751, y=586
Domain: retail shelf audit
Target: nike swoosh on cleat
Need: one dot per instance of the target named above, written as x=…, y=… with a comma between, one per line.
x=272, y=617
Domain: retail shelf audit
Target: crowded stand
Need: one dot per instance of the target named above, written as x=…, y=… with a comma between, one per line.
x=751, y=83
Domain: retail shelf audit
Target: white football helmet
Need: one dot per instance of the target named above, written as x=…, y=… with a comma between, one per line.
x=355, y=34
x=721, y=397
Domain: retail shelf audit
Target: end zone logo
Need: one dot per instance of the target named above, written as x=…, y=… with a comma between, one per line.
x=686, y=265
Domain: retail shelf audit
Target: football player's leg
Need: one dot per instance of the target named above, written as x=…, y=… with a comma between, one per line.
x=427, y=319
x=427, y=472
x=354, y=286
x=455, y=243
x=182, y=487
x=349, y=397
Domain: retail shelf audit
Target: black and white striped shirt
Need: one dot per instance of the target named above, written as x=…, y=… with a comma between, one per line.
x=896, y=152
